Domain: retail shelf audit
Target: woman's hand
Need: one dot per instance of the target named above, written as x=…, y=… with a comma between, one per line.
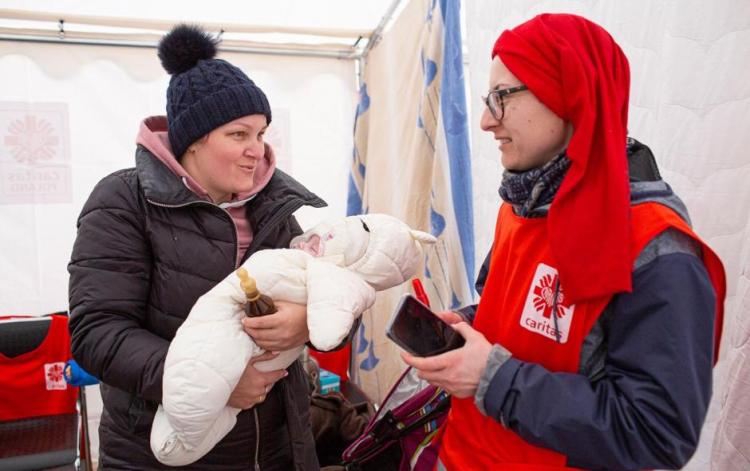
x=457, y=371
x=280, y=331
x=450, y=317
x=254, y=385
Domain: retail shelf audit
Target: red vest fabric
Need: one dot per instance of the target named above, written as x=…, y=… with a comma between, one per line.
x=33, y=383
x=521, y=284
x=336, y=361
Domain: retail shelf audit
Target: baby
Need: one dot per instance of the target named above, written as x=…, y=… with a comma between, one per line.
x=334, y=268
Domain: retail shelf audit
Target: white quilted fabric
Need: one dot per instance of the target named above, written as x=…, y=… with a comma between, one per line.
x=690, y=102
x=334, y=268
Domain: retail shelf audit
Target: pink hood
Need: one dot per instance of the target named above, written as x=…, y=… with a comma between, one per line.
x=153, y=136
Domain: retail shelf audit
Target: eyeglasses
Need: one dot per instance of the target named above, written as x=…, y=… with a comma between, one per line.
x=494, y=100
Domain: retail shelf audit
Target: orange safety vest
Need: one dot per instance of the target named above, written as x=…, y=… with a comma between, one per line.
x=515, y=311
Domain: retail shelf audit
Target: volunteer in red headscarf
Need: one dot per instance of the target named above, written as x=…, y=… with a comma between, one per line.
x=600, y=312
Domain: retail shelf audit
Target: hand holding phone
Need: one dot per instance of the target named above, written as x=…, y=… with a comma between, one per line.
x=416, y=329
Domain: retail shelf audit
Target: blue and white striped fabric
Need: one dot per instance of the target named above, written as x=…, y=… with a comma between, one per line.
x=411, y=159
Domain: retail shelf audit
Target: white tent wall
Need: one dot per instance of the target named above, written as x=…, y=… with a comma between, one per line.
x=690, y=102
x=103, y=93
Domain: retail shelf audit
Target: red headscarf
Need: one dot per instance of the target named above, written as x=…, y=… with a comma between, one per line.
x=577, y=70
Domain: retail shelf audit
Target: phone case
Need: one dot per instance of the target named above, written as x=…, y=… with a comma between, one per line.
x=453, y=342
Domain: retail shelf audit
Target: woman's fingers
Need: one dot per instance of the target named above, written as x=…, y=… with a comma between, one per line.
x=272, y=377
x=449, y=317
x=265, y=356
x=254, y=385
x=433, y=363
x=283, y=330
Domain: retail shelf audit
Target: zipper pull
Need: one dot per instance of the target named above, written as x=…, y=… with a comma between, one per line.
x=257, y=439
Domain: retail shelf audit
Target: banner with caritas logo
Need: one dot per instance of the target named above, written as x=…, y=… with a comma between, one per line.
x=34, y=153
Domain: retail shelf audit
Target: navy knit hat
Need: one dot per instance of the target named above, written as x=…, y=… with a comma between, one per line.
x=204, y=93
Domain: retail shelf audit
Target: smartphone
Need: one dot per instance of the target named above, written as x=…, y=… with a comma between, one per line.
x=416, y=329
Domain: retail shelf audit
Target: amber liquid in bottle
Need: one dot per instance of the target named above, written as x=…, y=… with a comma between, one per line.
x=257, y=304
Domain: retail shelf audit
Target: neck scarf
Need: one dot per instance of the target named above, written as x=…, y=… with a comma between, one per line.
x=534, y=188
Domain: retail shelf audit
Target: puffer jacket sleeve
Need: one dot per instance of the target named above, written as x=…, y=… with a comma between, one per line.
x=110, y=272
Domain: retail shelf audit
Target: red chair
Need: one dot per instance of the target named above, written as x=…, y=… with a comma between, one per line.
x=42, y=423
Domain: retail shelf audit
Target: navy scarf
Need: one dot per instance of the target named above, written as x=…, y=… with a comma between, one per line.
x=534, y=188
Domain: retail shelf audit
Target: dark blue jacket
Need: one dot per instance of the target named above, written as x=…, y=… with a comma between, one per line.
x=643, y=388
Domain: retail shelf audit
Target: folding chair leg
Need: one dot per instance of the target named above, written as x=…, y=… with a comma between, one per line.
x=85, y=443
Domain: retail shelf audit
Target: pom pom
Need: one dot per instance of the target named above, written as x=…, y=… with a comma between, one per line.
x=182, y=48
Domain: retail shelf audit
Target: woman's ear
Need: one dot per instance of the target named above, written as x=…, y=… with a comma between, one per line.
x=195, y=146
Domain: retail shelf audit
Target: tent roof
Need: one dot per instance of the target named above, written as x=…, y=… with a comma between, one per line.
x=340, y=28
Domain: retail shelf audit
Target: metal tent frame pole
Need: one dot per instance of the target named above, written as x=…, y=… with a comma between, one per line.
x=327, y=54
x=62, y=36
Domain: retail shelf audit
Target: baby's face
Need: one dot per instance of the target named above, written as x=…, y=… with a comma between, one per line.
x=380, y=248
x=344, y=241
x=312, y=244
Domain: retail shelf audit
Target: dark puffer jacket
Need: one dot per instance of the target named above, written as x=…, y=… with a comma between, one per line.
x=147, y=248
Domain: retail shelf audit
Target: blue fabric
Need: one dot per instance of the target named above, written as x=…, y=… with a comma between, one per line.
x=455, y=123
x=648, y=410
x=77, y=376
x=353, y=199
x=354, y=195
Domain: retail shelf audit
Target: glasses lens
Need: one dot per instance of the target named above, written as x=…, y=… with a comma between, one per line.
x=495, y=102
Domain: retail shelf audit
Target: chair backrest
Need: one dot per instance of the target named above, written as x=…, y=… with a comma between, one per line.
x=39, y=422
x=33, y=352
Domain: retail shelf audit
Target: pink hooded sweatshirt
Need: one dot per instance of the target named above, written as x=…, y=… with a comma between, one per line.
x=153, y=136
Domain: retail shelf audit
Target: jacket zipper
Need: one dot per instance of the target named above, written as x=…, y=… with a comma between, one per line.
x=257, y=438
x=285, y=211
x=206, y=203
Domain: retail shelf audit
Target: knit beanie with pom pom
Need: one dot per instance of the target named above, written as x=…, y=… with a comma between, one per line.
x=204, y=93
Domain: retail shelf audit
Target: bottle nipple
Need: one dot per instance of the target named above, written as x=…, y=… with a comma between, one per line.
x=248, y=284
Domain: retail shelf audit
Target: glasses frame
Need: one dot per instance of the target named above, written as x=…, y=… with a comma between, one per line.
x=500, y=94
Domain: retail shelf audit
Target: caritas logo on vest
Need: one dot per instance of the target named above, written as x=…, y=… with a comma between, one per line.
x=537, y=313
x=54, y=376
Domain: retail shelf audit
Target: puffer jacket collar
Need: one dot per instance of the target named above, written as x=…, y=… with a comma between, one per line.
x=161, y=186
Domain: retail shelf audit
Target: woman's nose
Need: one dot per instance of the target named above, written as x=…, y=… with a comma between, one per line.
x=255, y=149
x=487, y=121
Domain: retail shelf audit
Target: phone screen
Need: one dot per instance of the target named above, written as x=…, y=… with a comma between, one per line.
x=419, y=331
